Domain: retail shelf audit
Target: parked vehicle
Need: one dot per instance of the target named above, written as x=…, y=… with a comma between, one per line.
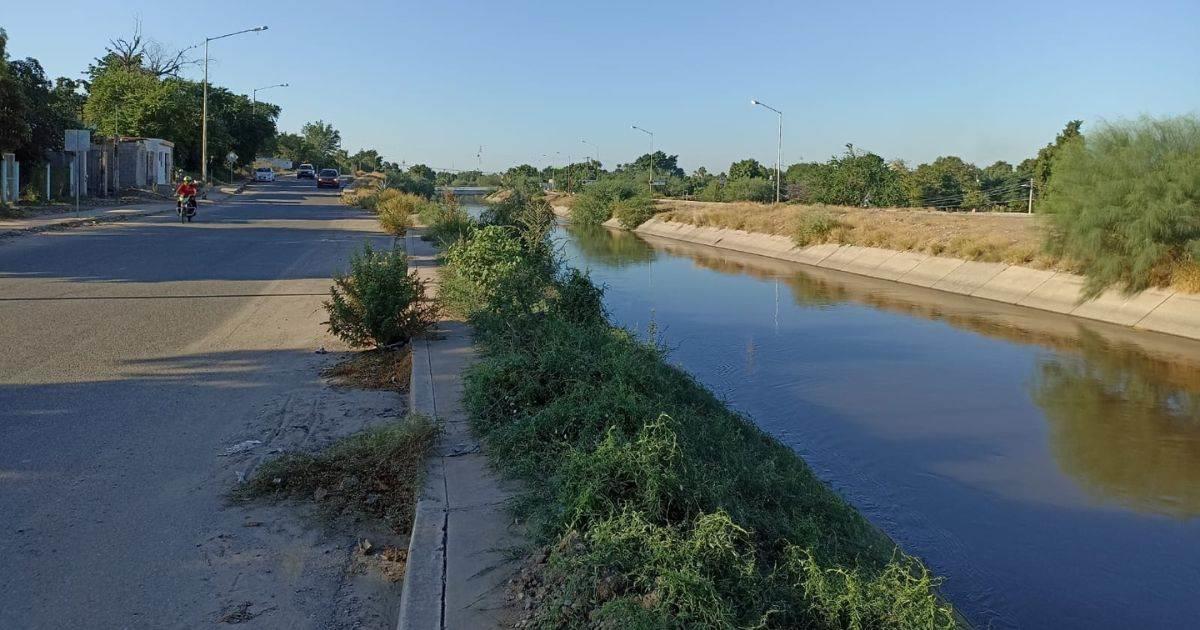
x=264, y=174
x=306, y=171
x=329, y=177
x=185, y=207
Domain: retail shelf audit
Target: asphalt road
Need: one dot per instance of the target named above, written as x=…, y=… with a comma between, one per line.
x=132, y=355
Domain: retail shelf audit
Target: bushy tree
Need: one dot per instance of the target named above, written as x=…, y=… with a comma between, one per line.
x=947, y=182
x=50, y=109
x=749, y=189
x=1043, y=165
x=380, y=302
x=14, y=117
x=1125, y=201
x=323, y=138
x=411, y=183
x=421, y=171
x=748, y=168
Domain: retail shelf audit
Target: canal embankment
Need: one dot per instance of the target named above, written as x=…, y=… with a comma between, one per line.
x=654, y=503
x=1158, y=310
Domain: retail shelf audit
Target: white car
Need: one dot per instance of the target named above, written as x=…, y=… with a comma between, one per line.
x=264, y=174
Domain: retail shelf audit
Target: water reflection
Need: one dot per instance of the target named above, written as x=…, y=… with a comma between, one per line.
x=1125, y=421
x=610, y=247
x=1125, y=425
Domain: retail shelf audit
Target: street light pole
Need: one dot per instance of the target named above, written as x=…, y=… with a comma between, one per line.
x=651, y=134
x=204, y=105
x=778, y=148
x=595, y=151
x=254, y=95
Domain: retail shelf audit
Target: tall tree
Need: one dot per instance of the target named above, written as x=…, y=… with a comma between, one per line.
x=141, y=54
x=14, y=115
x=1044, y=164
x=745, y=169
x=322, y=138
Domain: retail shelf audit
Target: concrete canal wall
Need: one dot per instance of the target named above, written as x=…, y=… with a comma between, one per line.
x=1156, y=310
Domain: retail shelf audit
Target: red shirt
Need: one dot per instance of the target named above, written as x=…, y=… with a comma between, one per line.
x=186, y=189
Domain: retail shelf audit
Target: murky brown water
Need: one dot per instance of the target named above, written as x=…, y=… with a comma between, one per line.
x=1047, y=467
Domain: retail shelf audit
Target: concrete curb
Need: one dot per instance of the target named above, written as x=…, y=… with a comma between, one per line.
x=425, y=575
x=1154, y=310
x=81, y=221
x=457, y=559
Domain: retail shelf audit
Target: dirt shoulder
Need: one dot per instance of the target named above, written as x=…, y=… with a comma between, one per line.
x=1011, y=238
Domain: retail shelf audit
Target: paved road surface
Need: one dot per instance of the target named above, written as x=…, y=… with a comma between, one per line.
x=131, y=356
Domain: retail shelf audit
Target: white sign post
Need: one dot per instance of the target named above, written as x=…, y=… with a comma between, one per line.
x=77, y=141
x=231, y=159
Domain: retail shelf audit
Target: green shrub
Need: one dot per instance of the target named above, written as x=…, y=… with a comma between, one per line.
x=379, y=303
x=813, y=226
x=711, y=192
x=1125, y=202
x=633, y=212
x=410, y=183
x=749, y=189
x=485, y=270
x=900, y=597
x=395, y=211
x=594, y=205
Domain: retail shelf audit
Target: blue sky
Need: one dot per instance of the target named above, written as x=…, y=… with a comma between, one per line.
x=432, y=81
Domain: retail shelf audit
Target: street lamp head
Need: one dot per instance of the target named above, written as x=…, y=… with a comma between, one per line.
x=261, y=28
x=753, y=102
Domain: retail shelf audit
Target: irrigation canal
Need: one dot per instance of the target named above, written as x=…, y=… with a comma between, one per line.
x=1047, y=467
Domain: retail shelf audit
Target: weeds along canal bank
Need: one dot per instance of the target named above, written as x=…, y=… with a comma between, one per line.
x=653, y=503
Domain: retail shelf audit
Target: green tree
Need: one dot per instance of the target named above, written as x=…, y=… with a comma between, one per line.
x=747, y=168
x=1001, y=185
x=291, y=146
x=947, y=182
x=523, y=170
x=664, y=165
x=421, y=171
x=323, y=139
x=1125, y=202
x=49, y=110
x=1044, y=163
x=14, y=121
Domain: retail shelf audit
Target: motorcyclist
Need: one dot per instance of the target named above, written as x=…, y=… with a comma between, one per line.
x=187, y=190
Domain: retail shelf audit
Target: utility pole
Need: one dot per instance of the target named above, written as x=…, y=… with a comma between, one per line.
x=1030, y=196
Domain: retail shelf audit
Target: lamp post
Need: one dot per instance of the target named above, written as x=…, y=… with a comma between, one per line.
x=595, y=151
x=254, y=95
x=651, y=134
x=204, y=105
x=779, y=147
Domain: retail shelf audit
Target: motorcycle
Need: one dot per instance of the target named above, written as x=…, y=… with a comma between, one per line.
x=185, y=206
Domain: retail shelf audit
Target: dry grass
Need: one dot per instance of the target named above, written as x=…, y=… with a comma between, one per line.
x=377, y=472
x=991, y=237
x=374, y=369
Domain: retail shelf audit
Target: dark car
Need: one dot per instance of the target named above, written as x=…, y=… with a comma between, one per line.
x=306, y=171
x=328, y=177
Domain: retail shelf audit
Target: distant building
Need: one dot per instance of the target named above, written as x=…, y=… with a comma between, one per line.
x=126, y=163
x=145, y=163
